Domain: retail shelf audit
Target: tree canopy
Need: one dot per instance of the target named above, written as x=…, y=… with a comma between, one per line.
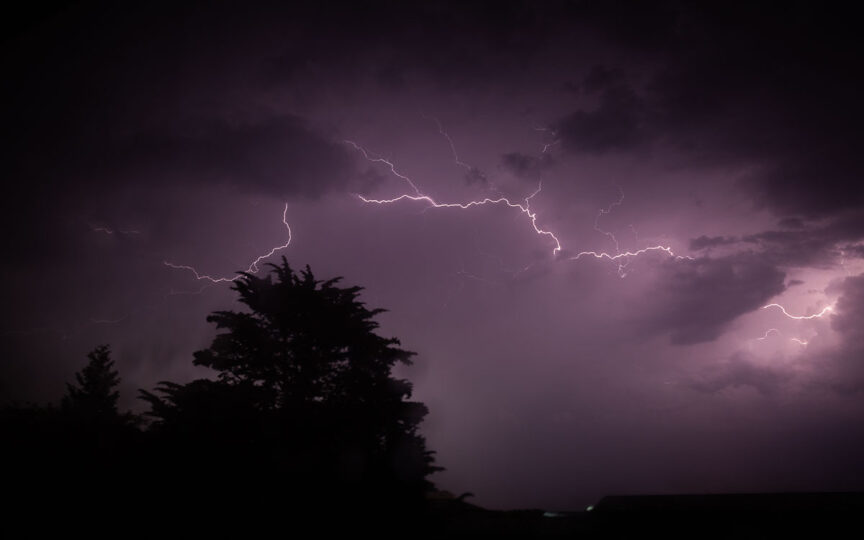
x=303, y=391
x=300, y=417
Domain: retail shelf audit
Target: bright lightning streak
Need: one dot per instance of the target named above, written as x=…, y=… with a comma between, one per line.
x=802, y=342
x=422, y=197
x=604, y=255
x=779, y=333
x=626, y=256
x=768, y=333
x=253, y=267
x=390, y=166
x=822, y=313
x=525, y=208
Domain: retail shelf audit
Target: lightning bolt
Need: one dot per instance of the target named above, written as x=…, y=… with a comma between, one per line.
x=604, y=255
x=389, y=165
x=419, y=196
x=602, y=212
x=627, y=256
x=446, y=135
x=779, y=333
x=253, y=266
x=524, y=208
x=621, y=259
x=822, y=313
x=802, y=342
x=768, y=333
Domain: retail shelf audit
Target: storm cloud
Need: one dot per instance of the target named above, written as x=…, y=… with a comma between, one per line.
x=695, y=300
x=692, y=162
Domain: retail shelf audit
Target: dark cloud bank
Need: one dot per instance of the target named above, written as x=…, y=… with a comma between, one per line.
x=759, y=84
x=696, y=300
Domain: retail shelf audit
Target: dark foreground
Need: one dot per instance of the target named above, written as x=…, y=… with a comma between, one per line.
x=168, y=513
x=746, y=516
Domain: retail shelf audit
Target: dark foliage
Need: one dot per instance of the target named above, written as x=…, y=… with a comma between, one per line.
x=303, y=398
x=92, y=400
x=302, y=421
x=62, y=463
x=95, y=392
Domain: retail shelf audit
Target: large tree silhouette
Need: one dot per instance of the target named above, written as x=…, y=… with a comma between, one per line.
x=304, y=396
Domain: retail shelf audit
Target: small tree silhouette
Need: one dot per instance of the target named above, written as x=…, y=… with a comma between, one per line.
x=94, y=395
x=304, y=392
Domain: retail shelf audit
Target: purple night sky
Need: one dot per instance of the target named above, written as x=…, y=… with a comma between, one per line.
x=727, y=139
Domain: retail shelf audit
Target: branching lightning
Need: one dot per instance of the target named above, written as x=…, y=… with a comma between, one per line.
x=625, y=254
x=602, y=212
x=390, y=166
x=446, y=135
x=822, y=313
x=826, y=310
x=620, y=258
x=253, y=267
x=419, y=196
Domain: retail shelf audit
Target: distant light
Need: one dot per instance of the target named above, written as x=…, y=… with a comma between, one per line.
x=591, y=507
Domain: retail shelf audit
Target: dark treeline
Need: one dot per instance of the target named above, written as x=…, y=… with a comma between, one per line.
x=301, y=431
x=299, y=422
